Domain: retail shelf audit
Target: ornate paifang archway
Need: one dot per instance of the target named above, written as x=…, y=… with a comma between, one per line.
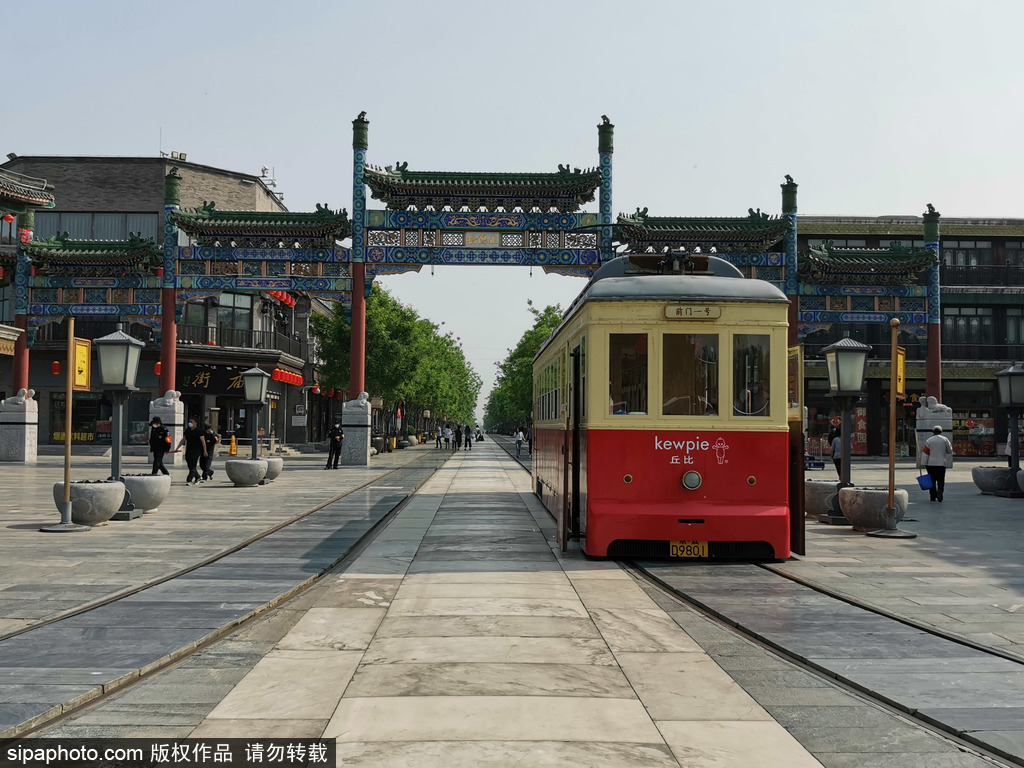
x=497, y=219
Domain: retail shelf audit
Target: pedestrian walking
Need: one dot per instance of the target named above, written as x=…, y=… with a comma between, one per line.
x=937, y=457
x=519, y=441
x=457, y=442
x=469, y=437
x=447, y=437
x=437, y=438
x=206, y=462
x=835, y=444
x=195, y=449
x=159, y=445
x=335, y=436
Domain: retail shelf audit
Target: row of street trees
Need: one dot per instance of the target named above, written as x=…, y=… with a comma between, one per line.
x=510, y=403
x=409, y=364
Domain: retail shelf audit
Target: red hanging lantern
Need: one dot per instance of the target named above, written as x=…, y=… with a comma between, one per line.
x=302, y=379
x=330, y=393
x=275, y=375
x=339, y=394
x=55, y=367
x=8, y=217
x=156, y=368
x=316, y=389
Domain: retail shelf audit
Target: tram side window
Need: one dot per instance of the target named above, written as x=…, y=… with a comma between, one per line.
x=689, y=374
x=751, y=374
x=627, y=372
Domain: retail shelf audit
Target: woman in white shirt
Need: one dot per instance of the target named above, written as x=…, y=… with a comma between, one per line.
x=936, y=455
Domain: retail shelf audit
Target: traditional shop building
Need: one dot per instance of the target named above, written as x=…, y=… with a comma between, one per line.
x=97, y=244
x=980, y=314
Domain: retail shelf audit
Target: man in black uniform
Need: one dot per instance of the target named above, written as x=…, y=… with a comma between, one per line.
x=206, y=463
x=159, y=444
x=334, y=438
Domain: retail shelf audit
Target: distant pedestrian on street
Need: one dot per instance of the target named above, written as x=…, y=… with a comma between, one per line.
x=519, y=441
x=437, y=438
x=937, y=456
x=447, y=437
x=457, y=443
x=335, y=436
x=469, y=438
x=206, y=462
x=835, y=444
x=195, y=449
x=159, y=445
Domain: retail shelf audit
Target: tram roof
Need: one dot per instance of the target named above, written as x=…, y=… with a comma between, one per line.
x=621, y=280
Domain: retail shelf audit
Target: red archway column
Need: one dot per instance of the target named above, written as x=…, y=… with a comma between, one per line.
x=357, y=354
x=20, y=379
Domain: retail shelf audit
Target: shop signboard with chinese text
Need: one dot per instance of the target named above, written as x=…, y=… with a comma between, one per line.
x=210, y=379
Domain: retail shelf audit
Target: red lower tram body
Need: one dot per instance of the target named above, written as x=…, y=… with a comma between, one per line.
x=632, y=501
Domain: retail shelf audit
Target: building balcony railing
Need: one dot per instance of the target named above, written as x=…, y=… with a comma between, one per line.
x=241, y=337
x=989, y=274
x=187, y=334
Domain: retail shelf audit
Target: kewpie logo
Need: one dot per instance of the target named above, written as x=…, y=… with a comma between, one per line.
x=720, y=447
x=691, y=446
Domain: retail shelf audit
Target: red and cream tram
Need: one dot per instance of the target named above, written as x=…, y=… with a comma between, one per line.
x=660, y=412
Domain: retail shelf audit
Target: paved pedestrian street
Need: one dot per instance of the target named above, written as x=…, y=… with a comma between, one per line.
x=454, y=633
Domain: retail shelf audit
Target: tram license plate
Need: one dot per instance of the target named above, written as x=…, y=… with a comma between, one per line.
x=688, y=549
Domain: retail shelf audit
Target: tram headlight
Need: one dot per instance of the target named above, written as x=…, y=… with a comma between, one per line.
x=692, y=480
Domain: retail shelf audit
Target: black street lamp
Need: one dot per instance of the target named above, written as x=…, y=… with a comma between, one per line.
x=255, y=382
x=118, y=355
x=846, y=361
x=1010, y=383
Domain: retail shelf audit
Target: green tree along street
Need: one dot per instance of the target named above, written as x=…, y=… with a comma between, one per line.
x=407, y=362
x=510, y=403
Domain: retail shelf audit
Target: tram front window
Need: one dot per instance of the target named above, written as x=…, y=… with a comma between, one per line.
x=689, y=374
x=627, y=372
x=751, y=369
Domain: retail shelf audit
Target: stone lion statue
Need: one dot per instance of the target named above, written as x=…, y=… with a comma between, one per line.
x=170, y=397
x=930, y=407
x=20, y=400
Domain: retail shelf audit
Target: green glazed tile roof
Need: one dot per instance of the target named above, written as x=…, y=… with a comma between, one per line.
x=207, y=221
x=755, y=231
x=61, y=251
x=829, y=264
x=567, y=189
x=18, y=193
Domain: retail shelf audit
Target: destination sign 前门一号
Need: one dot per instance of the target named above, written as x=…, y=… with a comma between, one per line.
x=692, y=312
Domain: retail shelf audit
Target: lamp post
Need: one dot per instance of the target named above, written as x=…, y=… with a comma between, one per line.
x=846, y=360
x=1010, y=384
x=255, y=381
x=118, y=355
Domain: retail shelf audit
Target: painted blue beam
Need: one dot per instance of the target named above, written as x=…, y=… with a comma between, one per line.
x=454, y=220
x=535, y=257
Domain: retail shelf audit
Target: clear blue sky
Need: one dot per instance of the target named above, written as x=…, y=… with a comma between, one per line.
x=873, y=107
